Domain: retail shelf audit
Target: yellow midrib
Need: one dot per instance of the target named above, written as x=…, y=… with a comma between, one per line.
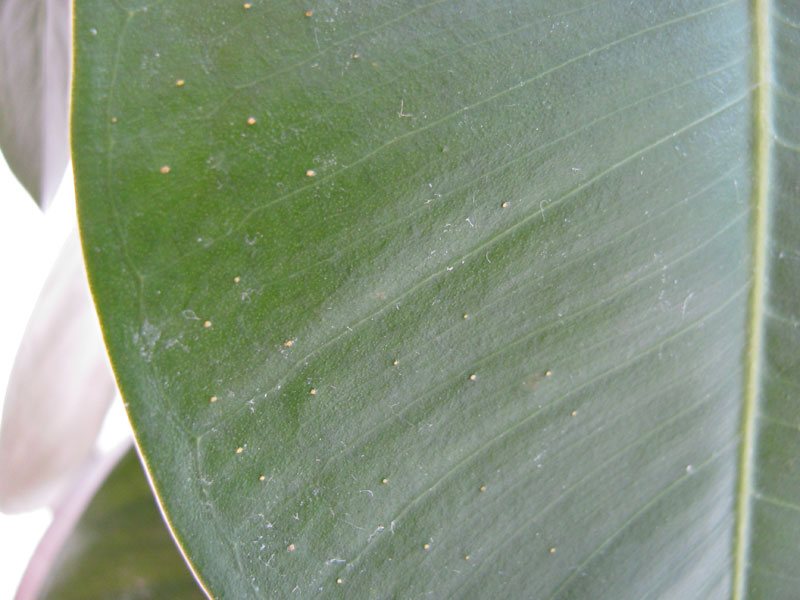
x=761, y=133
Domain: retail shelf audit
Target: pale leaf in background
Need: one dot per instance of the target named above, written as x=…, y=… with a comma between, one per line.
x=35, y=44
x=58, y=392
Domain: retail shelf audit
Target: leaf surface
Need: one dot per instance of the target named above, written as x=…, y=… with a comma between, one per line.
x=774, y=484
x=451, y=299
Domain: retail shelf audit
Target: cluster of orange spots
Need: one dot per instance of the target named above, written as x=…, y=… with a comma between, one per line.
x=483, y=488
x=251, y=121
x=165, y=169
x=207, y=324
x=308, y=13
x=288, y=343
x=290, y=548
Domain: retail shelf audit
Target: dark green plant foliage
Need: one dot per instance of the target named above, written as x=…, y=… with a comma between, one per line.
x=554, y=197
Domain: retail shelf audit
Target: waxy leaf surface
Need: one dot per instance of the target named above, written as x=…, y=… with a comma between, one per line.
x=454, y=299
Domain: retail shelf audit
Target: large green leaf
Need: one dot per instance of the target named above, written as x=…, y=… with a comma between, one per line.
x=473, y=299
x=120, y=548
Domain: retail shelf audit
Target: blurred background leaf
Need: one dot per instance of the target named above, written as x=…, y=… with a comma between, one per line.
x=58, y=392
x=35, y=63
x=119, y=549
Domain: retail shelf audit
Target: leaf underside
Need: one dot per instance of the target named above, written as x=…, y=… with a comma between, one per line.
x=447, y=299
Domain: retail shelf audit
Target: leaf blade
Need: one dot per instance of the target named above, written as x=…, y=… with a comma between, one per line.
x=569, y=224
x=774, y=493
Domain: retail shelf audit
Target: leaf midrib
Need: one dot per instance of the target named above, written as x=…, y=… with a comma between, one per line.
x=761, y=68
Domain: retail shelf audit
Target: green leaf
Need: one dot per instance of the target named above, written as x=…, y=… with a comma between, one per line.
x=34, y=92
x=120, y=548
x=486, y=299
x=773, y=483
